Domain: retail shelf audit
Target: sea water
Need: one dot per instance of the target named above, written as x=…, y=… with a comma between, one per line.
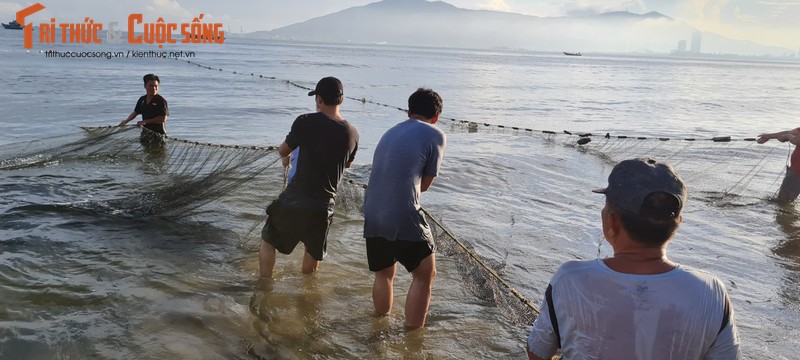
x=84, y=284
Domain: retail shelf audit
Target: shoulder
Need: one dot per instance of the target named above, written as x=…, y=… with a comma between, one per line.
x=315, y=116
x=575, y=268
x=158, y=97
x=704, y=277
x=142, y=99
x=352, y=128
x=434, y=132
x=305, y=118
x=422, y=127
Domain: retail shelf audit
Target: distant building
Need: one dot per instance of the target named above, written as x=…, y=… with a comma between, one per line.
x=681, y=46
x=697, y=38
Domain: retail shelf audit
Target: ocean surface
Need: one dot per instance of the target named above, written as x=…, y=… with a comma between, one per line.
x=87, y=283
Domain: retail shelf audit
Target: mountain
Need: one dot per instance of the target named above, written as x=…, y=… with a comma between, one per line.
x=437, y=23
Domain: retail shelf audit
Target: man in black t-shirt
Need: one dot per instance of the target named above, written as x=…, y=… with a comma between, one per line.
x=303, y=212
x=154, y=110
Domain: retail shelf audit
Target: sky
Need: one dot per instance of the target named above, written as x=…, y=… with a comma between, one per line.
x=768, y=22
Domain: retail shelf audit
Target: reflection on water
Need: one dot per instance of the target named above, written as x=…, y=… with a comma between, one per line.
x=155, y=154
x=788, y=251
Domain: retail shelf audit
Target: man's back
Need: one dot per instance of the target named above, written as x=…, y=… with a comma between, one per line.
x=405, y=153
x=327, y=146
x=604, y=314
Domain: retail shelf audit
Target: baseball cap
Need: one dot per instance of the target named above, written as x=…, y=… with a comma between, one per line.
x=632, y=181
x=328, y=87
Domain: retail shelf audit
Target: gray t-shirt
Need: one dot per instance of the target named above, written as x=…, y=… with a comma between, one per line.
x=406, y=152
x=604, y=314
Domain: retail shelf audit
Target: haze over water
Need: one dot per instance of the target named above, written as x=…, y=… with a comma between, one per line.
x=83, y=284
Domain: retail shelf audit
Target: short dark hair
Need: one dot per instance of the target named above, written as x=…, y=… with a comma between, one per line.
x=425, y=102
x=656, y=223
x=149, y=77
x=332, y=99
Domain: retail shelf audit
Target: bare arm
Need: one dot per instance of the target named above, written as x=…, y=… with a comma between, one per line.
x=426, y=182
x=794, y=139
x=284, y=150
x=130, y=117
x=779, y=135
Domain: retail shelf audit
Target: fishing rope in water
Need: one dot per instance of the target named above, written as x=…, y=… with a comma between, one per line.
x=513, y=291
x=584, y=137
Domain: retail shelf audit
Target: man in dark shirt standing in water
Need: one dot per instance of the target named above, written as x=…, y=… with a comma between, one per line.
x=303, y=212
x=154, y=110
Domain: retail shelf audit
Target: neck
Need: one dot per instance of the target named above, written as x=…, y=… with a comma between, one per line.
x=645, y=261
x=420, y=118
x=331, y=111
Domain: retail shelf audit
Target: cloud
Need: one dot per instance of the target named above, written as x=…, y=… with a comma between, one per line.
x=496, y=5
x=169, y=8
x=7, y=7
x=590, y=7
x=8, y=10
x=780, y=3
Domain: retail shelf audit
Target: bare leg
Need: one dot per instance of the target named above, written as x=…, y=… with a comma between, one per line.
x=419, y=294
x=382, y=290
x=266, y=259
x=790, y=187
x=310, y=264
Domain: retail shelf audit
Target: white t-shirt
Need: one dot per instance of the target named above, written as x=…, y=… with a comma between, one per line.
x=604, y=314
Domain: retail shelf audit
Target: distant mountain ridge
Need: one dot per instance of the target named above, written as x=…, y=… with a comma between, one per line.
x=437, y=23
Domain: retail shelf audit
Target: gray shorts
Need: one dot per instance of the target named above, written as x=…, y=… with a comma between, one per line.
x=790, y=187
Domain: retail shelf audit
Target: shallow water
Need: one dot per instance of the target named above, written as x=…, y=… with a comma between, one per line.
x=86, y=282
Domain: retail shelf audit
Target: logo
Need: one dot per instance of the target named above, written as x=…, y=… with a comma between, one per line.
x=139, y=31
x=28, y=28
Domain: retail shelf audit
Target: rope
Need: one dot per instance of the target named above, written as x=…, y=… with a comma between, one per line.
x=475, y=257
x=474, y=125
x=483, y=265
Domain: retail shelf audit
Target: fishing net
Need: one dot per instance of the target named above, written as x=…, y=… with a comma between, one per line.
x=721, y=170
x=179, y=180
x=229, y=186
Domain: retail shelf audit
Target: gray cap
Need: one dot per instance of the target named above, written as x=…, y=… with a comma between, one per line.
x=631, y=181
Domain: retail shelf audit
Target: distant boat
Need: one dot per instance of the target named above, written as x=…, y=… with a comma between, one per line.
x=572, y=54
x=13, y=25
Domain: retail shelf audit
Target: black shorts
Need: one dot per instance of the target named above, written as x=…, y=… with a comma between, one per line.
x=382, y=253
x=293, y=219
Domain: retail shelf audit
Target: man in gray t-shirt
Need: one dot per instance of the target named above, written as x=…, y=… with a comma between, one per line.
x=406, y=161
x=637, y=304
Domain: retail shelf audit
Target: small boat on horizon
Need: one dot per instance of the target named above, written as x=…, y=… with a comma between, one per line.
x=572, y=53
x=13, y=25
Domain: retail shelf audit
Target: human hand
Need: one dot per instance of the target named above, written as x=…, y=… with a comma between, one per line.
x=286, y=161
x=762, y=139
x=123, y=123
x=140, y=123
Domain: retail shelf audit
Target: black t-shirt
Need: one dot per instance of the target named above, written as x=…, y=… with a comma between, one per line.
x=156, y=107
x=326, y=146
